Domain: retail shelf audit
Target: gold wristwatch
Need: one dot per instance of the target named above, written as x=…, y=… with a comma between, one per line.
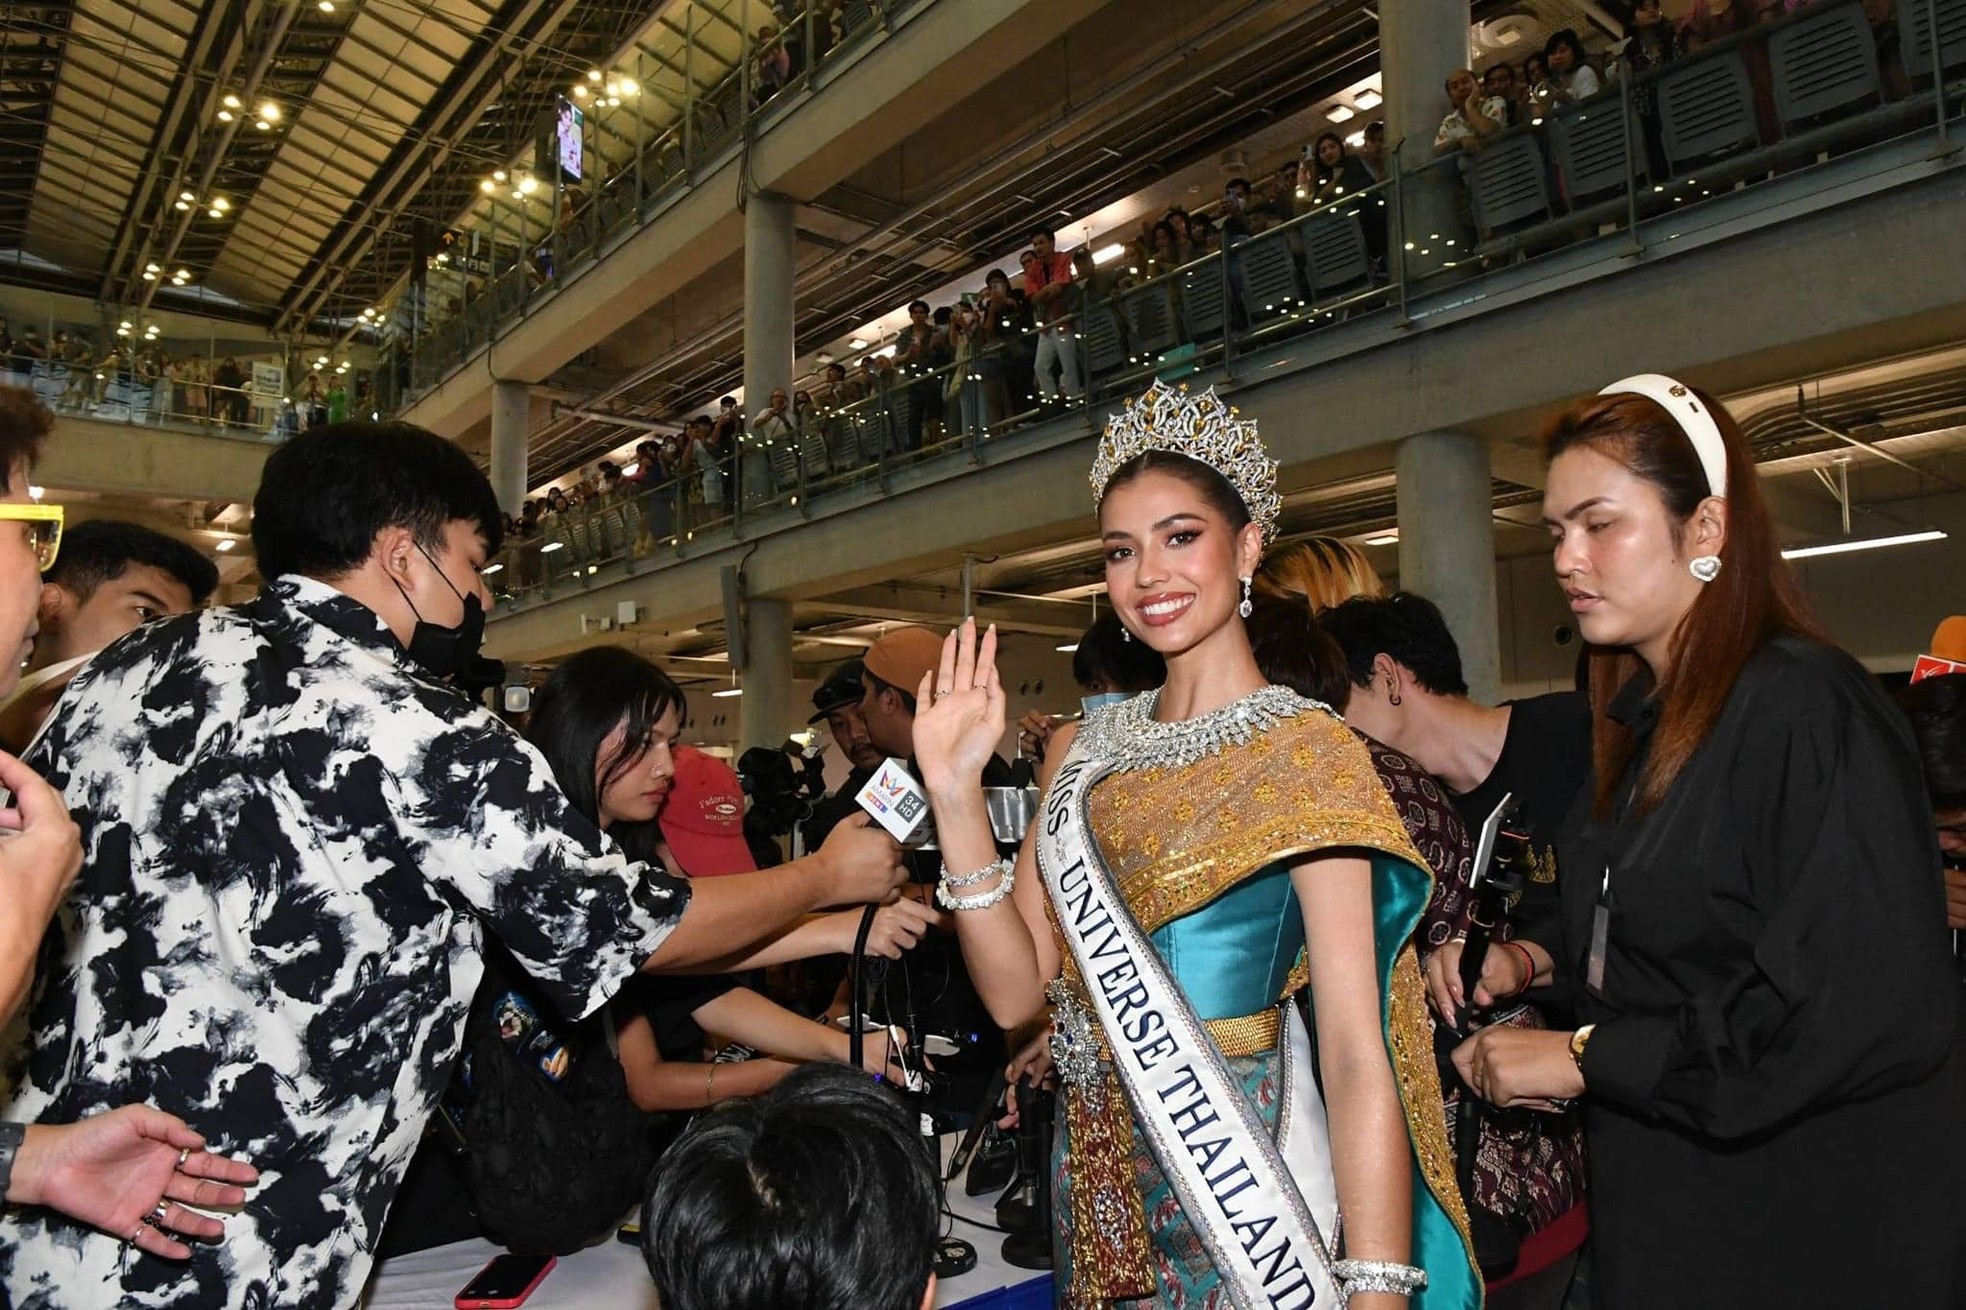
x=1578, y=1041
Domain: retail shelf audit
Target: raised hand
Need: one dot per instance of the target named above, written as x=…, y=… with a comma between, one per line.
x=131, y=1173
x=959, y=710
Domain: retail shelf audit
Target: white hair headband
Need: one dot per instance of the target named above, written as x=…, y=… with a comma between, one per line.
x=1678, y=400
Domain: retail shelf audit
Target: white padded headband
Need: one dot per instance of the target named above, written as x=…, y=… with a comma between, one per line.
x=1678, y=400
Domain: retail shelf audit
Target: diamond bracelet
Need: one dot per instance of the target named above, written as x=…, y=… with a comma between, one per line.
x=948, y=900
x=1378, y=1276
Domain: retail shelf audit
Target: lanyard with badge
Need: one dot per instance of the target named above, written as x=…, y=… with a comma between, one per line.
x=1601, y=909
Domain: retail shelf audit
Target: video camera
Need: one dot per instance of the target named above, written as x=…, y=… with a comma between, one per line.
x=782, y=783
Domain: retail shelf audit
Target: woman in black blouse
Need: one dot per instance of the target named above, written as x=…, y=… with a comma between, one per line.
x=1753, y=920
x=605, y=721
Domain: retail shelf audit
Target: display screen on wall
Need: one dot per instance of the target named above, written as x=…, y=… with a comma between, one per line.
x=568, y=139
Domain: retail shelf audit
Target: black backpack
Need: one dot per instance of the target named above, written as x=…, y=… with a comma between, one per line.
x=551, y=1165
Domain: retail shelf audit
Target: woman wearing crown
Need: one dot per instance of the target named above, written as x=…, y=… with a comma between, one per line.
x=1204, y=853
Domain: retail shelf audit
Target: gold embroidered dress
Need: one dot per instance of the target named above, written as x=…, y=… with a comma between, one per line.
x=1201, y=854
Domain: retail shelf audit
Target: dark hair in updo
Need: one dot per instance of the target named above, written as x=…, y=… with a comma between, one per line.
x=1218, y=491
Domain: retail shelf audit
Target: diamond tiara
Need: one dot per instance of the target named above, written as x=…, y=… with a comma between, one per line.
x=1202, y=428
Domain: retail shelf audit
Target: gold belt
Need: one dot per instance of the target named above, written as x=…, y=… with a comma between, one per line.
x=1249, y=1034
x=1245, y=1034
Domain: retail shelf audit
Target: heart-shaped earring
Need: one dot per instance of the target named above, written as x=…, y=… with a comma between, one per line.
x=1704, y=567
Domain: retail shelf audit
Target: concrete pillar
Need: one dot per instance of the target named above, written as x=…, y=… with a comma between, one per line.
x=1447, y=545
x=1420, y=43
x=767, y=702
x=768, y=270
x=511, y=426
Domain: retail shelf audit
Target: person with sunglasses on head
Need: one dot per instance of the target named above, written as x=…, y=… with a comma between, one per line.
x=131, y=1171
x=112, y=578
x=1752, y=925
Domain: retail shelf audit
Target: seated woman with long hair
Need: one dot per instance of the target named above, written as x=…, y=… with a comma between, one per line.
x=606, y=721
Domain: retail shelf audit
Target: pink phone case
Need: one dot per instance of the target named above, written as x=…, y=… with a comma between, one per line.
x=465, y=1301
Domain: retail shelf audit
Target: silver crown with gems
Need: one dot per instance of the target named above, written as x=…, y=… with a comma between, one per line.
x=1202, y=428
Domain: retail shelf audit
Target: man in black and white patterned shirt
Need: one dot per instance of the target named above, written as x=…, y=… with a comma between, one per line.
x=293, y=835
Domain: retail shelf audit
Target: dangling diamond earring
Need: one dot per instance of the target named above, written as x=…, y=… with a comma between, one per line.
x=1704, y=567
x=1245, y=609
x=1126, y=633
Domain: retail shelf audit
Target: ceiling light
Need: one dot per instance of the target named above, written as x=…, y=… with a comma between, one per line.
x=628, y=86
x=1383, y=538
x=231, y=102
x=1108, y=254
x=220, y=203
x=498, y=175
x=528, y=184
x=125, y=325
x=612, y=102
x=264, y=125
x=488, y=186
x=269, y=111
x=611, y=89
x=728, y=692
x=1340, y=113
x=216, y=212
x=186, y=196
x=1868, y=543
x=183, y=206
x=490, y=569
x=152, y=268
x=1368, y=100
x=856, y=344
x=150, y=275
x=225, y=544
x=580, y=90
x=1068, y=649
x=225, y=115
x=552, y=546
x=327, y=6
x=593, y=74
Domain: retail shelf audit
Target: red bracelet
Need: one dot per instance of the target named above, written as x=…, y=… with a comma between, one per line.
x=1528, y=960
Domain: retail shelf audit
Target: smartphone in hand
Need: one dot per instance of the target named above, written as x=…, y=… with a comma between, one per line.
x=505, y=1283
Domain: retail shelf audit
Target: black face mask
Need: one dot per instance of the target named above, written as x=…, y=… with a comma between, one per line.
x=446, y=652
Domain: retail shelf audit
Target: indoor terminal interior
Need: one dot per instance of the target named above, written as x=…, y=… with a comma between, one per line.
x=784, y=330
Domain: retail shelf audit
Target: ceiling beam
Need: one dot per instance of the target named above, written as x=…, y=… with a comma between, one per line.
x=941, y=607
x=429, y=142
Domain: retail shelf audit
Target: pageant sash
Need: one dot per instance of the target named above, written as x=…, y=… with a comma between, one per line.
x=1216, y=1152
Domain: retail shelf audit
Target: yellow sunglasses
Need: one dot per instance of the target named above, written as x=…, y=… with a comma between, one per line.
x=44, y=522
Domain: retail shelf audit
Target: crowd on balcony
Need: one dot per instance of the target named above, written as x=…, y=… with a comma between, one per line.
x=1059, y=325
